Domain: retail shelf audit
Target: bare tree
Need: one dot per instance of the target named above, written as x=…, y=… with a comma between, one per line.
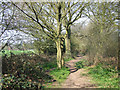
x=104, y=17
x=6, y=22
x=74, y=13
x=50, y=18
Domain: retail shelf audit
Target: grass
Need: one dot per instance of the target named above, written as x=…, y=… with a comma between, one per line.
x=60, y=74
x=81, y=64
x=49, y=65
x=8, y=52
x=104, y=77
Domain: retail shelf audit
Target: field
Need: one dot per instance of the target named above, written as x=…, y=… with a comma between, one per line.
x=16, y=52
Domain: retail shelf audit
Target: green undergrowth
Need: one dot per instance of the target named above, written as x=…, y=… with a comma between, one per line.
x=104, y=77
x=81, y=64
x=28, y=71
x=25, y=71
x=49, y=65
x=60, y=74
x=68, y=59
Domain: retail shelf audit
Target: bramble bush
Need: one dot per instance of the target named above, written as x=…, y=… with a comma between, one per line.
x=24, y=72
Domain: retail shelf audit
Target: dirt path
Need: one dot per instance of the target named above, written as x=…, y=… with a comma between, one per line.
x=77, y=78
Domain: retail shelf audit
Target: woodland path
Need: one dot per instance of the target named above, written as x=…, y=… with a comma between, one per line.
x=76, y=79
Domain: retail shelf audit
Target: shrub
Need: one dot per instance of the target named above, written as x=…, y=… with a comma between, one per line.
x=45, y=46
x=80, y=64
x=23, y=72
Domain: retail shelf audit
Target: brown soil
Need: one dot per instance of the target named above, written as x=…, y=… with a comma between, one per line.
x=77, y=78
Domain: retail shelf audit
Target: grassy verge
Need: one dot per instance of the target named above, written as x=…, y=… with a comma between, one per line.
x=59, y=75
x=16, y=52
x=104, y=77
x=81, y=64
x=49, y=65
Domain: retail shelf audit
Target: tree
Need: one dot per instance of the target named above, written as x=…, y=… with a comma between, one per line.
x=8, y=26
x=48, y=18
x=75, y=10
x=103, y=29
x=4, y=16
x=9, y=22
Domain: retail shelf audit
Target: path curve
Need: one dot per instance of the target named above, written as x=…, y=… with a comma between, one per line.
x=76, y=79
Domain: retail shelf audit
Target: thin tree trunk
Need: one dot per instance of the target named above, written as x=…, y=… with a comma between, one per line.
x=68, y=43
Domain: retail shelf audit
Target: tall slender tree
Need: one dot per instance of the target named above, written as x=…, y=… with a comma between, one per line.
x=75, y=10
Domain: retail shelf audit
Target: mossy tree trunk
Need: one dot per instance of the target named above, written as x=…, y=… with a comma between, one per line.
x=59, y=54
x=68, y=43
x=58, y=42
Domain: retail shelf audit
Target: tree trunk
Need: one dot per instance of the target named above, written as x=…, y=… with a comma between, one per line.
x=68, y=43
x=59, y=54
x=58, y=41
